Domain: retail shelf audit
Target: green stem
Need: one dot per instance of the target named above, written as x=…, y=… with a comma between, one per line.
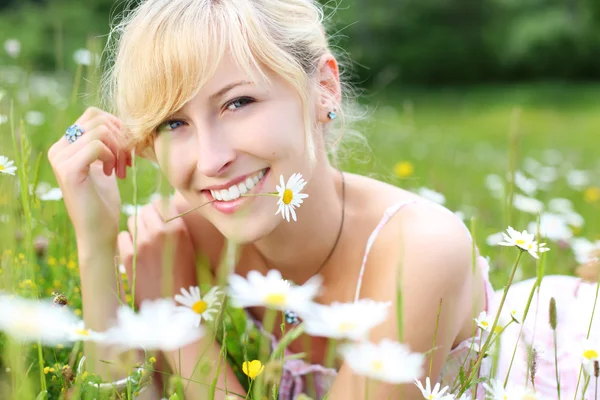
x=330, y=355
x=212, y=201
x=489, y=338
x=556, y=365
x=41, y=363
x=135, y=231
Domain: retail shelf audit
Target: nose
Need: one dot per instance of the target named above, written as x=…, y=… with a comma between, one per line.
x=215, y=154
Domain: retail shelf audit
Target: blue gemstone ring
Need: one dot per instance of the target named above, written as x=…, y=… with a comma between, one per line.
x=73, y=133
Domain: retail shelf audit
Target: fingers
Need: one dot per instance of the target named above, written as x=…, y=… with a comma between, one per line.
x=81, y=162
x=97, y=125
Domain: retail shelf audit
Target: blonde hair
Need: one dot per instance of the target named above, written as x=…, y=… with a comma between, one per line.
x=163, y=51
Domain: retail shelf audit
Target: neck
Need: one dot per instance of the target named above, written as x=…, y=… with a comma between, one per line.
x=301, y=249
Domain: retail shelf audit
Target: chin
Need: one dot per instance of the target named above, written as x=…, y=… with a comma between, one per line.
x=247, y=229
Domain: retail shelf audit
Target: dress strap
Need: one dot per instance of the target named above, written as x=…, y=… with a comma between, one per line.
x=387, y=215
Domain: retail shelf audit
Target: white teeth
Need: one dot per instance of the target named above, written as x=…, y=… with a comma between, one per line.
x=225, y=194
x=236, y=191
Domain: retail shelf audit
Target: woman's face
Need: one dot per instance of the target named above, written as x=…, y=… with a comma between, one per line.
x=236, y=135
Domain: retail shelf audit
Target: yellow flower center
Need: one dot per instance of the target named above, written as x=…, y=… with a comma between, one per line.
x=484, y=324
x=347, y=326
x=199, y=307
x=520, y=241
x=590, y=354
x=288, y=196
x=377, y=366
x=253, y=368
x=276, y=299
x=82, y=332
x=2, y=167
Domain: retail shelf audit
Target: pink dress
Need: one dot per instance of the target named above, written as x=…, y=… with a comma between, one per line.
x=570, y=294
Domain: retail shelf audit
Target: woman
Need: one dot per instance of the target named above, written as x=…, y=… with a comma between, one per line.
x=227, y=96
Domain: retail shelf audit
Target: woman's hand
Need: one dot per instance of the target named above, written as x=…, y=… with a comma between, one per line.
x=84, y=171
x=165, y=259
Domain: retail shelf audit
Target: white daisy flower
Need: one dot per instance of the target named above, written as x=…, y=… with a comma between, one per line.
x=45, y=192
x=200, y=307
x=484, y=321
x=290, y=196
x=553, y=226
x=513, y=237
x=157, y=326
x=272, y=291
x=35, y=118
x=32, y=320
x=78, y=332
x=345, y=320
x=590, y=352
x=6, y=166
x=584, y=250
x=12, y=47
x=388, y=361
x=495, y=185
x=527, y=185
x=527, y=204
x=578, y=179
x=430, y=394
x=497, y=391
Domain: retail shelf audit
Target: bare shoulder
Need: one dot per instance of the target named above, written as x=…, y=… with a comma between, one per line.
x=426, y=240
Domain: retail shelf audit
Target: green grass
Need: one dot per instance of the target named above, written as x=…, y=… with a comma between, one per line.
x=453, y=137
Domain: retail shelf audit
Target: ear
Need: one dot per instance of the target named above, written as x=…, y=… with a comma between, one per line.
x=329, y=91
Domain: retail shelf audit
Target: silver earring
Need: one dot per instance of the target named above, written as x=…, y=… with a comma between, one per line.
x=332, y=114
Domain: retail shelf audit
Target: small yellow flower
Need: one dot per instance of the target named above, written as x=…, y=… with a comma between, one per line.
x=253, y=368
x=591, y=194
x=152, y=360
x=71, y=264
x=46, y=370
x=78, y=312
x=51, y=261
x=404, y=169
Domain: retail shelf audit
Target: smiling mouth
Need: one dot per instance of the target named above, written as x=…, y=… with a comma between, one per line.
x=237, y=190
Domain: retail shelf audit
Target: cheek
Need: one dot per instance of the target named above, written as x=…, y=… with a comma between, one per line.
x=177, y=162
x=278, y=130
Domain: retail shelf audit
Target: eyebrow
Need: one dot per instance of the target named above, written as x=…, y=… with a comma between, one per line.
x=227, y=88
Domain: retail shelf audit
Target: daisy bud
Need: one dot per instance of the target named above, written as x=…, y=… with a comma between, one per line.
x=553, y=313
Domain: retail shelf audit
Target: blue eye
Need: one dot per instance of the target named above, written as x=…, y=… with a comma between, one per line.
x=239, y=103
x=170, y=125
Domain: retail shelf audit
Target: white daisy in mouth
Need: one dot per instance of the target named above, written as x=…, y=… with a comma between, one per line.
x=272, y=291
x=290, y=196
x=6, y=166
x=197, y=306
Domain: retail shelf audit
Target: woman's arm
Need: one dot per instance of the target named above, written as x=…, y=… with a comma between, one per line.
x=434, y=260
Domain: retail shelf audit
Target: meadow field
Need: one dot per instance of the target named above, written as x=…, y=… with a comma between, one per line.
x=499, y=156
